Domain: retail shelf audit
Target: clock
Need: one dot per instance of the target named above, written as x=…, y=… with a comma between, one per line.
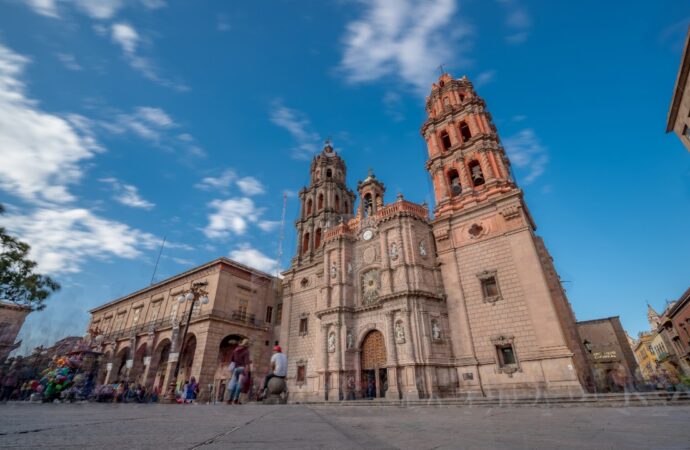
x=367, y=235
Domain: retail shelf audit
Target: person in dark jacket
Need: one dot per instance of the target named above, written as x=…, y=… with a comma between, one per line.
x=239, y=366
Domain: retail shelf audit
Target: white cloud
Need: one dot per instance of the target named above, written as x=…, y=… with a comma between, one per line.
x=127, y=194
x=392, y=105
x=44, y=7
x=125, y=36
x=40, y=152
x=298, y=125
x=155, y=116
x=154, y=4
x=221, y=183
x=485, y=77
x=146, y=122
x=269, y=225
x=233, y=215
x=252, y=257
x=99, y=9
x=518, y=21
x=69, y=61
x=526, y=152
x=63, y=239
x=403, y=38
x=250, y=186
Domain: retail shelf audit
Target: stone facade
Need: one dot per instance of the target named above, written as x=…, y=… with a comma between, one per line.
x=680, y=318
x=385, y=301
x=679, y=113
x=140, y=334
x=11, y=320
x=609, y=353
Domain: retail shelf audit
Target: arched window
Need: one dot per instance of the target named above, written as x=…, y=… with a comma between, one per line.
x=445, y=140
x=337, y=203
x=309, y=205
x=320, y=202
x=454, y=182
x=347, y=207
x=317, y=238
x=462, y=98
x=329, y=173
x=305, y=243
x=367, y=205
x=465, y=131
x=476, y=173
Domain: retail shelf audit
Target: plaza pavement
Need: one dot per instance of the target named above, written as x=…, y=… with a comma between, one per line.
x=136, y=426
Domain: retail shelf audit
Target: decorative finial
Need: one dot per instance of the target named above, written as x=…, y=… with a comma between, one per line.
x=370, y=173
x=327, y=147
x=400, y=196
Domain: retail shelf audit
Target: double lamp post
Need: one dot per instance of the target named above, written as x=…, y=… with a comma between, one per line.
x=197, y=293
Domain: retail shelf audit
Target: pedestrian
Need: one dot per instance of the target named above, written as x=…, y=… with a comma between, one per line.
x=239, y=361
x=191, y=390
x=278, y=368
x=9, y=383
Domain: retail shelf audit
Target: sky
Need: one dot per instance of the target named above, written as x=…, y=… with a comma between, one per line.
x=126, y=121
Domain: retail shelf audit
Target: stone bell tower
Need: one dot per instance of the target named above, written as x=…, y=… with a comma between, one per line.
x=513, y=328
x=324, y=203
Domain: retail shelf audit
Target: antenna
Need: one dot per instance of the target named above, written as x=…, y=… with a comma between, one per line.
x=155, y=268
x=282, y=235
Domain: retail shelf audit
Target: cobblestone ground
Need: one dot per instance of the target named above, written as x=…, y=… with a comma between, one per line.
x=334, y=427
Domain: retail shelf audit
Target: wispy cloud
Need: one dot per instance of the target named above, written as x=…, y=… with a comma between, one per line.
x=252, y=257
x=233, y=215
x=96, y=9
x=250, y=186
x=221, y=183
x=518, y=21
x=408, y=39
x=147, y=122
x=392, y=106
x=69, y=61
x=527, y=153
x=484, y=78
x=127, y=194
x=298, y=125
x=46, y=8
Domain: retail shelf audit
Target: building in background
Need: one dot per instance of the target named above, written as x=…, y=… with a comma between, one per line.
x=11, y=320
x=383, y=301
x=646, y=359
x=679, y=114
x=140, y=334
x=679, y=315
x=612, y=362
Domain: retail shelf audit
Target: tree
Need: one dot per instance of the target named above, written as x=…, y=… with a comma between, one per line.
x=18, y=282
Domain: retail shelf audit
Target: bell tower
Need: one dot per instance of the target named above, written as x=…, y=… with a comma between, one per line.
x=371, y=192
x=513, y=326
x=324, y=203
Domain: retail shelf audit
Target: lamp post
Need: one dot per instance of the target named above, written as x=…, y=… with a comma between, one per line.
x=196, y=293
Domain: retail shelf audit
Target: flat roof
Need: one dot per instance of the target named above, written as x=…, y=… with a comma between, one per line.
x=221, y=260
x=681, y=81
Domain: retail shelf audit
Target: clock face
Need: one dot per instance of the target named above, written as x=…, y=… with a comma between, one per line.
x=368, y=234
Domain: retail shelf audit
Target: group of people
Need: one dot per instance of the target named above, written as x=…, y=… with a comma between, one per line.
x=241, y=373
x=125, y=392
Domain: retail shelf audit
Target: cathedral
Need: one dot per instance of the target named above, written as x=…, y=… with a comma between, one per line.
x=388, y=300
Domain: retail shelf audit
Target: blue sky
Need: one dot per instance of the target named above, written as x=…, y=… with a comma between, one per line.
x=123, y=121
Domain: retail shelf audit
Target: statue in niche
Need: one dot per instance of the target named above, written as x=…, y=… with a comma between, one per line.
x=350, y=340
x=331, y=342
x=334, y=271
x=422, y=249
x=394, y=251
x=399, y=333
x=435, y=330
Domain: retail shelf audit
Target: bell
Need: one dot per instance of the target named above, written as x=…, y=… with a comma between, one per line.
x=477, y=176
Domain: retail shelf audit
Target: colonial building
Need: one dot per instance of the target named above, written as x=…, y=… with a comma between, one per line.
x=679, y=315
x=679, y=114
x=11, y=320
x=646, y=359
x=609, y=353
x=140, y=334
x=386, y=301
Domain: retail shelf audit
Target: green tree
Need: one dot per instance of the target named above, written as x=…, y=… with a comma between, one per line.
x=18, y=282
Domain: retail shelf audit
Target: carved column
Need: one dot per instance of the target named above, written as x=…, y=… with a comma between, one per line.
x=324, y=329
x=465, y=181
x=358, y=373
x=486, y=165
x=336, y=380
x=393, y=391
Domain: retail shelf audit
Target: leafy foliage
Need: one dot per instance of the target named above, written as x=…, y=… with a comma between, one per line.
x=18, y=282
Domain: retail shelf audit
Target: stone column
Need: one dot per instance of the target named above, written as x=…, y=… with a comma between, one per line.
x=385, y=259
x=336, y=379
x=403, y=254
x=465, y=181
x=322, y=388
x=358, y=373
x=486, y=165
x=393, y=391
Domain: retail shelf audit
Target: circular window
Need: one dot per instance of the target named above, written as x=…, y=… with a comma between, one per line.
x=304, y=283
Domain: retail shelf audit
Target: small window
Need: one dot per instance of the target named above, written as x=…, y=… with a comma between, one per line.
x=303, y=326
x=329, y=173
x=301, y=373
x=320, y=204
x=506, y=355
x=686, y=132
x=317, y=238
x=305, y=243
x=465, y=132
x=445, y=140
x=269, y=314
x=462, y=98
x=337, y=203
x=490, y=287
x=476, y=173
x=279, y=314
x=454, y=183
x=309, y=205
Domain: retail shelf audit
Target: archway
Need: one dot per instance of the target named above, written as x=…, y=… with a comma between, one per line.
x=159, y=364
x=103, y=367
x=374, y=375
x=187, y=359
x=136, y=373
x=222, y=376
x=119, y=369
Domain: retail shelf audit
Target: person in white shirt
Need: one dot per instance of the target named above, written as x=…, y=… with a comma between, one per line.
x=278, y=367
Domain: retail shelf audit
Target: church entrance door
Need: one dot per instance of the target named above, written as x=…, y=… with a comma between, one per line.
x=374, y=374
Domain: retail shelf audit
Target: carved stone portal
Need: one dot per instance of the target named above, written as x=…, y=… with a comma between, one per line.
x=371, y=285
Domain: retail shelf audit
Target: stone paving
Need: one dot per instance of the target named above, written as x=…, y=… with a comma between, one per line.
x=134, y=426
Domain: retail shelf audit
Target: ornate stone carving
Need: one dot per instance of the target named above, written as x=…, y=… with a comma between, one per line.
x=350, y=340
x=334, y=271
x=394, y=251
x=510, y=212
x=436, y=334
x=371, y=285
x=369, y=255
x=331, y=342
x=399, y=332
x=422, y=249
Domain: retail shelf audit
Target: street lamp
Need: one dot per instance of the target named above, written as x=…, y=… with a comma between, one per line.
x=196, y=293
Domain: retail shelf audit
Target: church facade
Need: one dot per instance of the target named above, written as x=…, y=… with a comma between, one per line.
x=385, y=301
